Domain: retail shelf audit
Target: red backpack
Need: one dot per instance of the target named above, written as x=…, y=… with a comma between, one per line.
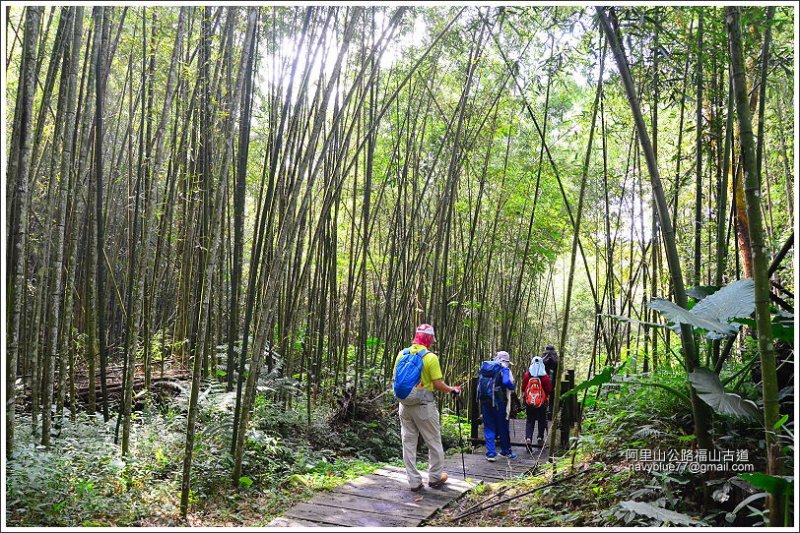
x=534, y=393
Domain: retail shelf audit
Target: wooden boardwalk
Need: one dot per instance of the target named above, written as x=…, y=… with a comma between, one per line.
x=382, y=499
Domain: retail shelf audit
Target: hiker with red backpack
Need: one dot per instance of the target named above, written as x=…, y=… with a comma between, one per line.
x=536, y=389
x=416, y=375
x=495, y=384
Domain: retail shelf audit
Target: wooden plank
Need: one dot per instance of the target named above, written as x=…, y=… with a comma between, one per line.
x=482, y=470
x=488, y=469
x=523, y=458
x=400, y=474
x=441, y=495
x=409, y=509
x=517, y=467
x=422, y=499
x=283, y=521
x=481, y=463
x=348, y=517
x=383, y=499
x=394, y=487
x=517, y=443
x=453, y=483
x=386, y=488
x=490, y=477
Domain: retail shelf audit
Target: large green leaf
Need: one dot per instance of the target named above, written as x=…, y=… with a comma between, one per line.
x=735, y=300
x=677, y=315
x=603, y=377
x=709, y=388
x=714, y=312
x=658, y=513
x=775, y=485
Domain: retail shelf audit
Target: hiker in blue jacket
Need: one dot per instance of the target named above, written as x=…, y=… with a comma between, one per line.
x=495, y=384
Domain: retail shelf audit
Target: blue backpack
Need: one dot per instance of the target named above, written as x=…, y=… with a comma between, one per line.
x=408, y=372
x=488, y=386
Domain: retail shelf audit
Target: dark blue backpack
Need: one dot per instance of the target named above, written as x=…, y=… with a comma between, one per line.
x=488, y=381
x=407, y=373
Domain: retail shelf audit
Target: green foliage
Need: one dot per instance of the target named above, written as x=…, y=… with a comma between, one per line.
x=782, y=326
x=162, y=346
x=775, y=485
x=83, y=481
x=627, y=415
x=450, y=432
x=599, y=379
x=328, y=474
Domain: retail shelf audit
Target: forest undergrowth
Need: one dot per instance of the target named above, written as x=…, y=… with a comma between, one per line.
x=82, y=481
x=602, y=484
x=268, y=200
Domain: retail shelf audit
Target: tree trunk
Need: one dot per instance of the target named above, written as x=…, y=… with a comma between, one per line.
x=101, y=20
x=67, y=108
x=17, y=235
x=698, y=192
x=760, y=259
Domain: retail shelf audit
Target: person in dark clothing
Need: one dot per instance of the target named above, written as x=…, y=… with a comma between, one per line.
x=550, y=360
x=536, y=389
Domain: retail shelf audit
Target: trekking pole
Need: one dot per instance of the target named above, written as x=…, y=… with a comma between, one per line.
x=460, y=439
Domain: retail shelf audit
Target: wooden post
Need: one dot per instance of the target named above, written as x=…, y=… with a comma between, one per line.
x=473, y=412
x=567, y=408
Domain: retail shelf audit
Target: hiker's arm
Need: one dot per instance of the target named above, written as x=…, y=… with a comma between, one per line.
x=441, y=386
x=525, y=379
x=548, y=386
x=508, y=379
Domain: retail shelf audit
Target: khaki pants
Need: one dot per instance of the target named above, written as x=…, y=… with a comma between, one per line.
x=421, y=419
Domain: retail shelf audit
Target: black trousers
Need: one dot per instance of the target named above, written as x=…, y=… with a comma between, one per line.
x=535, y=414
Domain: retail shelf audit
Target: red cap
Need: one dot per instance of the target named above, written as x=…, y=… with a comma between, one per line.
x=424, y=335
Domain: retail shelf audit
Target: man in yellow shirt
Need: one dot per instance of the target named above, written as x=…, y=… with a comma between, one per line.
x=419, y=415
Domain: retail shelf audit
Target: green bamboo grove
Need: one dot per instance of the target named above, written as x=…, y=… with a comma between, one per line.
x=237, y=195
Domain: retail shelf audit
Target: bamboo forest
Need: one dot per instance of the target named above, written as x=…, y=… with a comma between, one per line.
x=396, y=265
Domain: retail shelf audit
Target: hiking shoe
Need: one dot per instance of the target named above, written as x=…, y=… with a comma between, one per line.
x=510, y=455
x=528, y=442
x=438, y=483
x=540, y=442
x=416, y=489
x=491, y=458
